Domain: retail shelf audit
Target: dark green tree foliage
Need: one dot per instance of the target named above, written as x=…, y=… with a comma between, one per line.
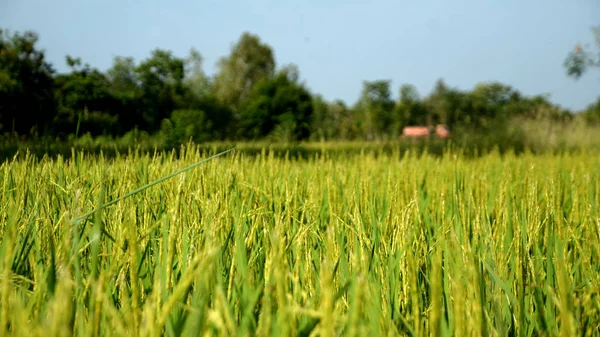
x=279, y=104
x=26, y=85
x=332, y=120
x=323, y=123
x=187, y=125
x=214, y=112
x=247, y=99
x=198, y=96
x=126, y=90
x=196, y=82
x=409, y=109
x=592, y=113
x=490, y=101
x=344, y=120
x=581, y=59
x=250, y=62
x=161, y=82
x=438, y=105
x=85, y=103
x=375, y=107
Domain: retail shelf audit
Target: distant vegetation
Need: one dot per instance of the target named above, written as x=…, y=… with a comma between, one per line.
x=165, y=100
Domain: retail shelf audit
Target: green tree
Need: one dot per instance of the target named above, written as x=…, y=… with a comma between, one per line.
x=26, y=84
x=592, y=113
x=581, y=59
x=331, y=120
x=196, y=80
x=438, y=109
x=123, y=78
x=199, y=96
x=279, y=105
x=323, y=124
x=409, y=109
x=344, y=120
x=85, y=103
x=126, y=90
x=491, y=100
x=250, y=62
x=375, y=107
x=186, y=125
x=161, y=81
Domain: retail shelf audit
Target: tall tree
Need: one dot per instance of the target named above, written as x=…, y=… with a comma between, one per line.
x=161, y=80
x=437, y=104
x=581, y=59
x=250, y=62
x=344, y=121
x=409, y=109
x=126, y=90
x=196, y=80
x=491, y=100
x=281, y=105
x=26, y=84
x=199, y=97
x=376, y=108
x=123, y=78
x=592, y=113
x=84, y=101
x=322, y=123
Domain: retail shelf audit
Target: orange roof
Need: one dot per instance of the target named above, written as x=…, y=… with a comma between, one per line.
x=416, y=131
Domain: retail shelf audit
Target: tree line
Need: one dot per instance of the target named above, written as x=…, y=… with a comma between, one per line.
x=249, y=98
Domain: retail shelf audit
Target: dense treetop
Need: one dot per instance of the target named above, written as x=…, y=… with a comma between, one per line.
x=251, y=97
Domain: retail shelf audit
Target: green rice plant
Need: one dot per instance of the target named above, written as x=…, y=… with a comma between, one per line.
x=389, y=243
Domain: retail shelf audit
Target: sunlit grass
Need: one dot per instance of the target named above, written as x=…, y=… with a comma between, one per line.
x=368, y=244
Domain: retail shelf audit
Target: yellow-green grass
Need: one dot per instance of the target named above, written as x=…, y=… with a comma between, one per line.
x=362, y=245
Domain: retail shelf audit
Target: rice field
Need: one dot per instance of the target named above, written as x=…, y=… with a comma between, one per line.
x=369, y=244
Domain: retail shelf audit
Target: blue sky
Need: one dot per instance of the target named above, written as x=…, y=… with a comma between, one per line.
x=337, y=44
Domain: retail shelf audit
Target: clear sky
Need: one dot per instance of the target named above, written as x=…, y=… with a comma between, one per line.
x=337, y=44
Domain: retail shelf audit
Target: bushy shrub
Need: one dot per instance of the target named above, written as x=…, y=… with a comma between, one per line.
x=186, y=125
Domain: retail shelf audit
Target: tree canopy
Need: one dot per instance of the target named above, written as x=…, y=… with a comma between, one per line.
x=249, y=98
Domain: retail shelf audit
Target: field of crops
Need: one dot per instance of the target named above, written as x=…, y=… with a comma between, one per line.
x=361, y=245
